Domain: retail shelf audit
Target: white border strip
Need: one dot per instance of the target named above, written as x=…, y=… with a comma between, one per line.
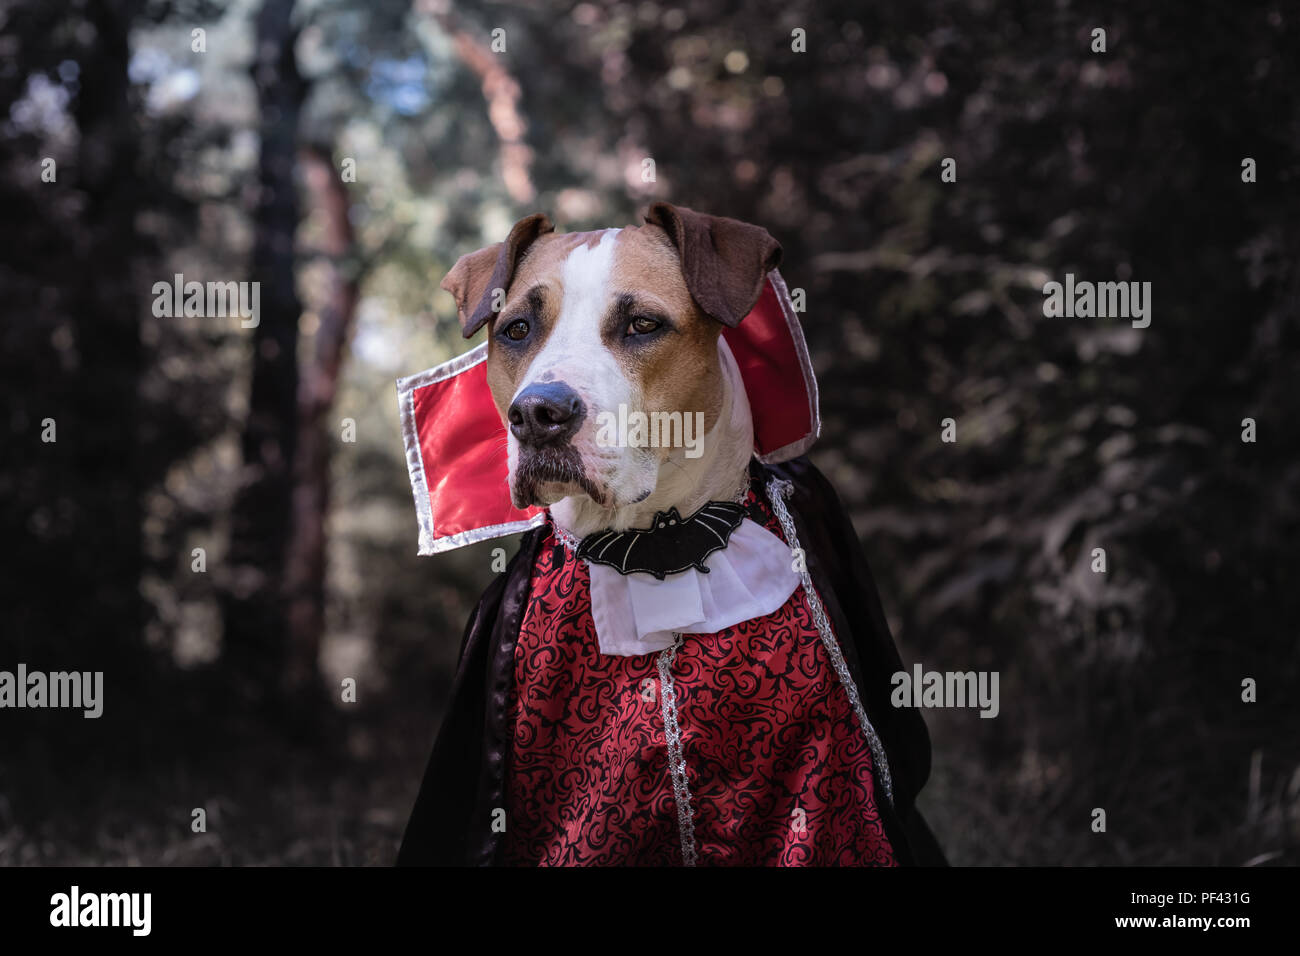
x=475, y=535
x=676, y=760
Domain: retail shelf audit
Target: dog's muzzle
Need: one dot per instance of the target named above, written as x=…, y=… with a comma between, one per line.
x=543, y=418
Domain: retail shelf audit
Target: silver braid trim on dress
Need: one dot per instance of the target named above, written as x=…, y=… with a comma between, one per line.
x=676, y=762
x=777, y=491
x=565, y=538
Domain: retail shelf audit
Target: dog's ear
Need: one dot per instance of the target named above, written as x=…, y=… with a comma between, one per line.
x=724, y=261
x=476, y=274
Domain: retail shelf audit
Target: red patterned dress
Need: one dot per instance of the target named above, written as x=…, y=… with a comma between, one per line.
x=775, y=769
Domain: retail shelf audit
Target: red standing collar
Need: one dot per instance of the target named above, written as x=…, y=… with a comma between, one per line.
x=455, y=440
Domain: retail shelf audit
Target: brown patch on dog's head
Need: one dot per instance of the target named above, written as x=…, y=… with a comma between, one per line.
x=677, y=370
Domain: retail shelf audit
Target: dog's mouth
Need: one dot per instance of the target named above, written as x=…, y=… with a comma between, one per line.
x=545, y=475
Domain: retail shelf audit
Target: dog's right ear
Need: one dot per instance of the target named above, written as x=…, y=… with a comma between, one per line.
x=476, y=275
x=725, y=262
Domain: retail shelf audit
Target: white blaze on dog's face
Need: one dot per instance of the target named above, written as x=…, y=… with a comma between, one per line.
x=610, y=323
x=594, y=323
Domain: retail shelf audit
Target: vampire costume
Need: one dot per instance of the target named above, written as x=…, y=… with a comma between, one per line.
x=758, y=736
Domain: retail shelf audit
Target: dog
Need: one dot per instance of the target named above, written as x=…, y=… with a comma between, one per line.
x=687, y=662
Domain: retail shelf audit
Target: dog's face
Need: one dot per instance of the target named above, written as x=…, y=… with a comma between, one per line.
x=587, y=329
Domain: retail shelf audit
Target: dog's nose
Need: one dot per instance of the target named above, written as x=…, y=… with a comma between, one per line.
x=545, y=414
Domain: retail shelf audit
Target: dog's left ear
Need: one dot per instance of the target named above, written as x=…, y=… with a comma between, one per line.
x=725, y=261
x=475, y=274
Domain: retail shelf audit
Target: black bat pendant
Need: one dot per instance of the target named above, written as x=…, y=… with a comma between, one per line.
x=670, y=545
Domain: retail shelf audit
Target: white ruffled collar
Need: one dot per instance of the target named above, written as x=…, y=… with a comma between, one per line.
x=636, y=614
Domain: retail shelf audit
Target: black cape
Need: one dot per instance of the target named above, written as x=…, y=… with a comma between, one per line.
x=451, y=823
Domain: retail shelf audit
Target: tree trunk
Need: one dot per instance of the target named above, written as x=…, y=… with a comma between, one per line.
x=104, y=427
x=320, y=378
x=254, y=602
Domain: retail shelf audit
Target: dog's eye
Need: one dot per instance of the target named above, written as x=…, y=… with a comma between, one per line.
x=642, y=325
x=517, y=330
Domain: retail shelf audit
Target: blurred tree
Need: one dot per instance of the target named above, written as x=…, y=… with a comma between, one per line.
x=322, y=365
x=255, y=606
